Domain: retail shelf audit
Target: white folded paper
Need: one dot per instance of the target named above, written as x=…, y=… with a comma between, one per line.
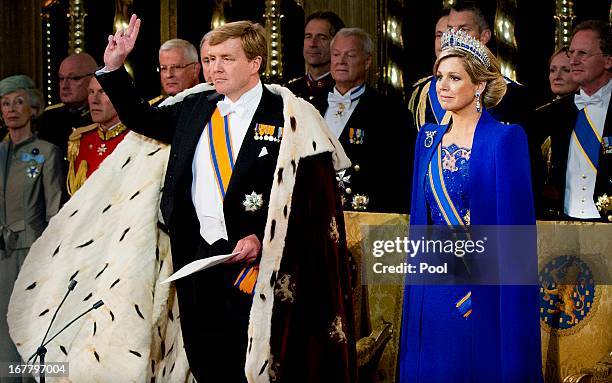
x=198, y=265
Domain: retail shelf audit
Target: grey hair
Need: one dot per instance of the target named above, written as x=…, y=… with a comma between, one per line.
x=189, y=51
x=366, y=41
x=22, y=82
x=204, y=38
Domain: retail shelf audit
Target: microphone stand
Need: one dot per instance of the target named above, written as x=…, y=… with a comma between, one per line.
x=41, y=351
x=71, y=287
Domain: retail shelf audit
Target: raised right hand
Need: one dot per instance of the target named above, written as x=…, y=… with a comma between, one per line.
x=121, y=44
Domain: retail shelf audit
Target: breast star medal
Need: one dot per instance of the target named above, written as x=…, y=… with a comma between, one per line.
x=102, y=149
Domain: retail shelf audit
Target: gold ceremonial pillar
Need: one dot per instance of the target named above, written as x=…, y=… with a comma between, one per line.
x=272, y=15
x=76, y=29
x=167, y=20
x=564, y=17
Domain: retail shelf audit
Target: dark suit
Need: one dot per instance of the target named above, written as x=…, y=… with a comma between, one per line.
x=381, y=165
x=558, y=120
x=58, y=122
x=214, y=313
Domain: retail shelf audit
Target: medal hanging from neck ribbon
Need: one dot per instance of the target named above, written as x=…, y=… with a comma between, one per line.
x=222, y=160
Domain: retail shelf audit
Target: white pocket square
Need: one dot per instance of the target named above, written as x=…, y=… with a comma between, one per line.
x=263, y=152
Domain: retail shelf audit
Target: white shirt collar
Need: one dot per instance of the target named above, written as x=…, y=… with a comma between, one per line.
x=603, y=92
x=247, y=97
x=112, y=127
x=350, y=92
x=245, y=105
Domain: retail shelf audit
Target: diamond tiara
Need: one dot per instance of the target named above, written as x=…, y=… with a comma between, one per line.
x=461, y=40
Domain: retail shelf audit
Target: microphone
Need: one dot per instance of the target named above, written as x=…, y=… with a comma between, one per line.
x=42, y=350
x=71, y=287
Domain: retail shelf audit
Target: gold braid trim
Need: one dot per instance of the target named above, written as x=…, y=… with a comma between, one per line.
x=417, y=93
x=75, y=179
x=421, y=108
x=106, y=135
x=413, y=97
x=54, y=106
x=156, y=99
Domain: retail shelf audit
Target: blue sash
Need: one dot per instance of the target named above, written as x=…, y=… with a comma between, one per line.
x=450, y=214
x=438, y=187
x=221, y=153
x=438, y=112
x=588, y=139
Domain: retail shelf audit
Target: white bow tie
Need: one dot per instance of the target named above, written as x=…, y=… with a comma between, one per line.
x=226, y=107
x=334, y=99
x=583, y=101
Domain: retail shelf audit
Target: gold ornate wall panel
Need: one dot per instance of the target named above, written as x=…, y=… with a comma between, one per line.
x=382, y=302
x=21, y=39
x=167, y=17
x=576, y=320
x=577, y=326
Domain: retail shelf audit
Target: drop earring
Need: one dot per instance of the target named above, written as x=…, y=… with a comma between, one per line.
x=477, y=96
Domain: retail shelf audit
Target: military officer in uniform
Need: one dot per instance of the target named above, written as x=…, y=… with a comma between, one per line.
x=319, y=30
x=421, y=89
x=90, y=145
x=58, y=121
x=375, y=131
x=514, y=106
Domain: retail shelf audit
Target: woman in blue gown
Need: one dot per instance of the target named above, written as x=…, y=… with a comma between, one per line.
x=473, y=171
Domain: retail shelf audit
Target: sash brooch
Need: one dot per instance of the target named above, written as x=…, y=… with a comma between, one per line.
x=429, y=138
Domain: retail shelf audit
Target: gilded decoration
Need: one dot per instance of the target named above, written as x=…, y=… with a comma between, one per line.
x=285, y=289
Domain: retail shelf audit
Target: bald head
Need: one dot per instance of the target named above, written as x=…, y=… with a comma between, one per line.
x=74, y=74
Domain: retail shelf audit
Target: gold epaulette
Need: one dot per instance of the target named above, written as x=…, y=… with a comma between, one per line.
x=294, y=80
x=78, y=132
x=418, y=101
x=156, y=99
x=416, y=89
x=54, y=106
x=75, y=140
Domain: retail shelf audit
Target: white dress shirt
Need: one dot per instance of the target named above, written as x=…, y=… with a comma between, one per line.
x=580, y=176
x=205, y=194
x=340, y=108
